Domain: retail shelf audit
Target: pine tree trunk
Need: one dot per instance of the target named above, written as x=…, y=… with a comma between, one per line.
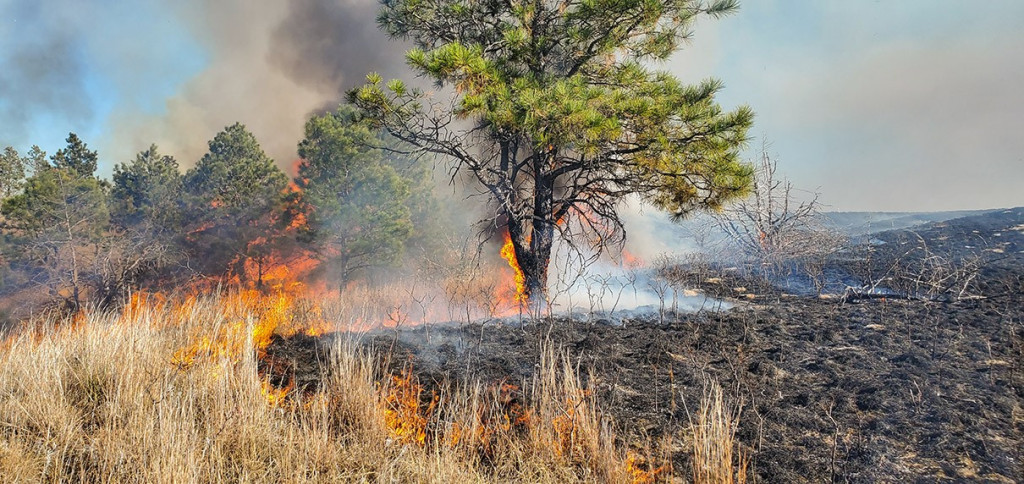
x=533, y=250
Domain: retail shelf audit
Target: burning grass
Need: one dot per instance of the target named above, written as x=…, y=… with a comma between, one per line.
x=175, y=391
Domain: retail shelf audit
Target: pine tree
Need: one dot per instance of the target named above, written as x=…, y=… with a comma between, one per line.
x=234, y=194
x=557, y=113
x=359, y=217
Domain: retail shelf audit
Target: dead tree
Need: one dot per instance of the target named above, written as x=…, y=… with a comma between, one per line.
x=774, y=228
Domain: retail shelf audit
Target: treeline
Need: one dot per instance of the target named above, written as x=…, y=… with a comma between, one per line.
x=355, y=204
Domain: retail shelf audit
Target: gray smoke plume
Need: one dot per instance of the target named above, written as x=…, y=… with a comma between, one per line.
x=272, y=65
x=331, y=44
x=267, y=64
x=41, y=74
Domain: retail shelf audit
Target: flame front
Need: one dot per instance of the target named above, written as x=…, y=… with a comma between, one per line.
x=508, y=252
x=403, y=412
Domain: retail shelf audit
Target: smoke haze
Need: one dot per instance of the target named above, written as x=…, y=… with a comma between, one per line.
x=271, y=67
x=879, y=106
x=267, y=64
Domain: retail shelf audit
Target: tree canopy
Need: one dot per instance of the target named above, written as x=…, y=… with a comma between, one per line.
x=360, y=217
x=76, y=157
x=148, y=190
x=232, y=195
x=555, y=111
x=12, y=172
x=57, y=218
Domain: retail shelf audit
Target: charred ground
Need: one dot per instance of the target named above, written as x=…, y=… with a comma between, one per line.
x=833, y=389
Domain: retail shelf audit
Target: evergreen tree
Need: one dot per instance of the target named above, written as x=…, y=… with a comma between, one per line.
x=557, y=113
x=359, y=217
x=233, y=196
x=76, y=157
x=12, y=172
x=148, y=191
x=58, y=222
x=35, y=160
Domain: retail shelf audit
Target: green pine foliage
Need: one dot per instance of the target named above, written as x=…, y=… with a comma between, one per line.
x=233, y=197
x=76, y=157
x=54, y=226
x=52, y=198
x=12, y=172
x=566, y=113
x=148, y=191
x=360, y=215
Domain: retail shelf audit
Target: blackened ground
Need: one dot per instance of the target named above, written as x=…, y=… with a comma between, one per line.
x=879, y=390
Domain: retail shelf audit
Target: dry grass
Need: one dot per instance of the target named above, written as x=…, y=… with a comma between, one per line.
x=171, y=392
x=716, y=457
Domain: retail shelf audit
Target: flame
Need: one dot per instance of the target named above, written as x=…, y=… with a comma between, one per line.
x=252, y=318
x=631, y=261
x=499, y=417
x=296, y=167
x=640, y=470
x=275, y=396
x=565, y=425
x=404, y=413
x=508, y=253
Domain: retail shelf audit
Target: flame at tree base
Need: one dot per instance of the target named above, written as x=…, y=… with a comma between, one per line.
x=508, y=252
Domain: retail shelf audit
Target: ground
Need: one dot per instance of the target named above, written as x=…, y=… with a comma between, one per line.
x=832, y=389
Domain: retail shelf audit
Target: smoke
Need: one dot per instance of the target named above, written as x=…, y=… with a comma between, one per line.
x=889, y=106
x=330, y=45
x=41, y=72
x=95, y=67
x=271, y=66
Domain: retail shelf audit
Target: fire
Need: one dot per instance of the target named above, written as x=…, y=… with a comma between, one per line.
x=265, y=315
x=640, y=470
x=251, y=319
x=630, y=260
x=509, y=254
x=566, y=425
x=507, y=415
x=404, y=413
x=274, y=395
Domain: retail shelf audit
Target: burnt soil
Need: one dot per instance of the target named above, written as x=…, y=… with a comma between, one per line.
x=832, y=389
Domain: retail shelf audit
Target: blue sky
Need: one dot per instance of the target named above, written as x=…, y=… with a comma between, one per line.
x=68, y=66
x=908, y=105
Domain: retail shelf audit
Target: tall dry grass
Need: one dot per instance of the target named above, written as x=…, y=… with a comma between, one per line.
x=717, y=458
x=170, y=391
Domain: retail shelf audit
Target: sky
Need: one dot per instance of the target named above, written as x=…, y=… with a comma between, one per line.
x=910, y=105
x=913, y=105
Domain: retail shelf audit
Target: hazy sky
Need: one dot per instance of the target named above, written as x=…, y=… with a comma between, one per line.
x=879, y=105
x=895, y=105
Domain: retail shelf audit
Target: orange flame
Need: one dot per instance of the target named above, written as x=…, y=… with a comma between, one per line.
x=641, y=471
x=630, y=260
x=500, y=417
x=566, y=425
x=275, y=396
x=404, y=413
x=508, y=253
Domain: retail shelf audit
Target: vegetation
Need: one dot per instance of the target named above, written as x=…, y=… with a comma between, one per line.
x=776, y=230
x=57, y=222
x=147, y=192
x=12, y=172
x=362, y=216
x=556, y=115
x=232, y=194
x=135, y=396
x=228, y=219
